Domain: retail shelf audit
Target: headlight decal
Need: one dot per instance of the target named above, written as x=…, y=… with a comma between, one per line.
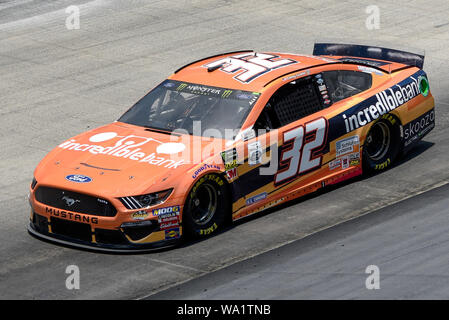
x=146, y=200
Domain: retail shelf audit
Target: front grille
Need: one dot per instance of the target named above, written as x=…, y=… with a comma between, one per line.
x=76, y=230
x=75, y=202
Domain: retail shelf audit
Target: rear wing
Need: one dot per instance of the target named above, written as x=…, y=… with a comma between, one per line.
x=369, y=52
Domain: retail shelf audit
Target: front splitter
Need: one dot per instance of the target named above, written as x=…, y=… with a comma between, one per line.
x=132, y=248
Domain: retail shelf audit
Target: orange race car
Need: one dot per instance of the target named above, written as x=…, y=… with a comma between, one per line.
x=228, y=136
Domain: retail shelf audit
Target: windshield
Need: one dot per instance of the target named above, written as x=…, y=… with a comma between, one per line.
x=197, y=109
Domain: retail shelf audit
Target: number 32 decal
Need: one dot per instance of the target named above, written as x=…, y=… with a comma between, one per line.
x=301, y=150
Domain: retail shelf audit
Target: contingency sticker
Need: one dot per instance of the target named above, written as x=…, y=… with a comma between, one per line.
x=254, y=153
x=346, y=145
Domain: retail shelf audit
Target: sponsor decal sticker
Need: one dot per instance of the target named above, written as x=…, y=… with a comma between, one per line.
x=354, y=159
x=166, y=210
x=169, y=220
x=423, y=85
x=127, y=147
x=372, y=63
x=295, y=76
x=419, y=127
x=232, y=174
x=382, y=103
x=244, y=96
x=230, y=159
x=345, y=162
x=169, y=84
x=254, y=153
x=256, y=198
x=172, y=233
x=346, y=145
x=168, y=225
x=71, y=216
x=226, y=93
x=78, y=178
x=369, y=70
x=139, y=215
x=335, y=164
x=204, y=167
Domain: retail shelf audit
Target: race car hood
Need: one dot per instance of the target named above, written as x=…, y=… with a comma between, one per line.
x=122, y=159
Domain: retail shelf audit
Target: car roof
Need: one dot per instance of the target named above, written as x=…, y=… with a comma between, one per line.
x=201, y=72
x=197, y=71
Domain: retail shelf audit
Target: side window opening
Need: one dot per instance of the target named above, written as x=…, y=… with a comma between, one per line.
x=342, y=84
x=293, y=101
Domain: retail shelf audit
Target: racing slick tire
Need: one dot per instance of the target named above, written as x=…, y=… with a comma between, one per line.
x=382, y=145
x=206, y=207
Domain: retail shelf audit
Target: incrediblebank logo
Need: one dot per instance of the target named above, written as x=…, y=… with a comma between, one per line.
x=386, y=101
x=127, y=147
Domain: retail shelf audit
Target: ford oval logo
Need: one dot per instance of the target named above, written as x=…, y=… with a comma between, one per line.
x=78, y=178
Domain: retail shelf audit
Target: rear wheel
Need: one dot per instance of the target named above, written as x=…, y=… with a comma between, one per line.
x=382, y=144
x=206, y=206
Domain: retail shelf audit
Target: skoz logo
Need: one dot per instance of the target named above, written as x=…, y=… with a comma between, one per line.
x=78, y=178
x=69, y=201
x=419, y=127
x=251, y=65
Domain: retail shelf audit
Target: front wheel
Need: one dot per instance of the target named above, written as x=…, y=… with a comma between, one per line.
x=206, y=206
x=382, y=144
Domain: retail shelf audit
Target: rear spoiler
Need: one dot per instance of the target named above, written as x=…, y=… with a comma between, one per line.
x=370, y=52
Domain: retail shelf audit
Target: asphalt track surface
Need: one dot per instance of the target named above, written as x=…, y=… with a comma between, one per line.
x=56, y=83
x=406, y=241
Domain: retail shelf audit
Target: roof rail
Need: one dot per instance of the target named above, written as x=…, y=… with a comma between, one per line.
x=215, y=55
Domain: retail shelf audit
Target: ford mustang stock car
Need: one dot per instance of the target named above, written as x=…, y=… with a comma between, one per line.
x=229, y=136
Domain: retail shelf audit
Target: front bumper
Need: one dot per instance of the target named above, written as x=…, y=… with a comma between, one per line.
x=81, y=235
x=117, y=248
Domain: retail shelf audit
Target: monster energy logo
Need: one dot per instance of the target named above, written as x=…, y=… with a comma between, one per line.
x=226, y=93
x=181, y=87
